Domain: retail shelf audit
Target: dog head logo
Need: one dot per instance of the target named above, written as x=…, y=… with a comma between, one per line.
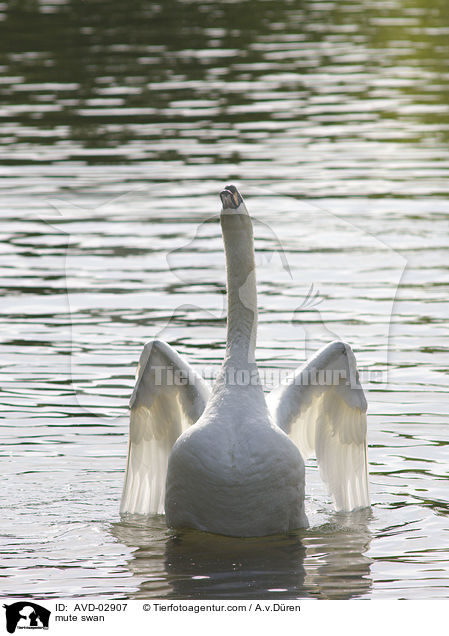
x=26, y=615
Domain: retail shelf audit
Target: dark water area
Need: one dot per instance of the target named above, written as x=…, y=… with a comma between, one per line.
x=352, y=97
x=119, y=125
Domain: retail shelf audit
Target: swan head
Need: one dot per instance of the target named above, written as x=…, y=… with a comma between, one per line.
x=232, y=201
x=236, y=225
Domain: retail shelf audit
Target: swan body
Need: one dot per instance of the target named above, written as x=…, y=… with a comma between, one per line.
x=234, y=472
x=226, y=460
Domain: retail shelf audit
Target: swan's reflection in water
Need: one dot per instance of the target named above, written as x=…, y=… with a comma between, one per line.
x=222, y=567
x=336, y=565
x=323, y=562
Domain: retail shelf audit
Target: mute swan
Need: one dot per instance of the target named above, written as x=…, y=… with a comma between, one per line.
x=226, y=460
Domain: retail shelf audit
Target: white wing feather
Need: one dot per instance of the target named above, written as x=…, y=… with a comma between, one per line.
x=323, y=410
x=169, y=396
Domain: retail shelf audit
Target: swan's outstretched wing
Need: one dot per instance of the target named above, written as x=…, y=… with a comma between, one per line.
x=168, y=397
x=323, y=410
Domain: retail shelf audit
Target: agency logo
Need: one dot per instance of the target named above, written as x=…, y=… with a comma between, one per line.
x=314, y=276
x=26, y=615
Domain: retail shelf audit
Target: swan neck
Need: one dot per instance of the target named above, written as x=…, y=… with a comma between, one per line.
x=241, y=289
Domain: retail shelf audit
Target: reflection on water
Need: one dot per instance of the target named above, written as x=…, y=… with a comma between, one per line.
x=337, y=564
x=328, y=562
x=119, y=124
x=217, y=567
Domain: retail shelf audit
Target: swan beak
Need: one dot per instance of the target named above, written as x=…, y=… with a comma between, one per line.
x=230, y=198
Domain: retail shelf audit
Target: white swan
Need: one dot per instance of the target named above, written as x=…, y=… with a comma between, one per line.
x=222, y=460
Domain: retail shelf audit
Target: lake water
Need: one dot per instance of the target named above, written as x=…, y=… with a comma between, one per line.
x=119, y=125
